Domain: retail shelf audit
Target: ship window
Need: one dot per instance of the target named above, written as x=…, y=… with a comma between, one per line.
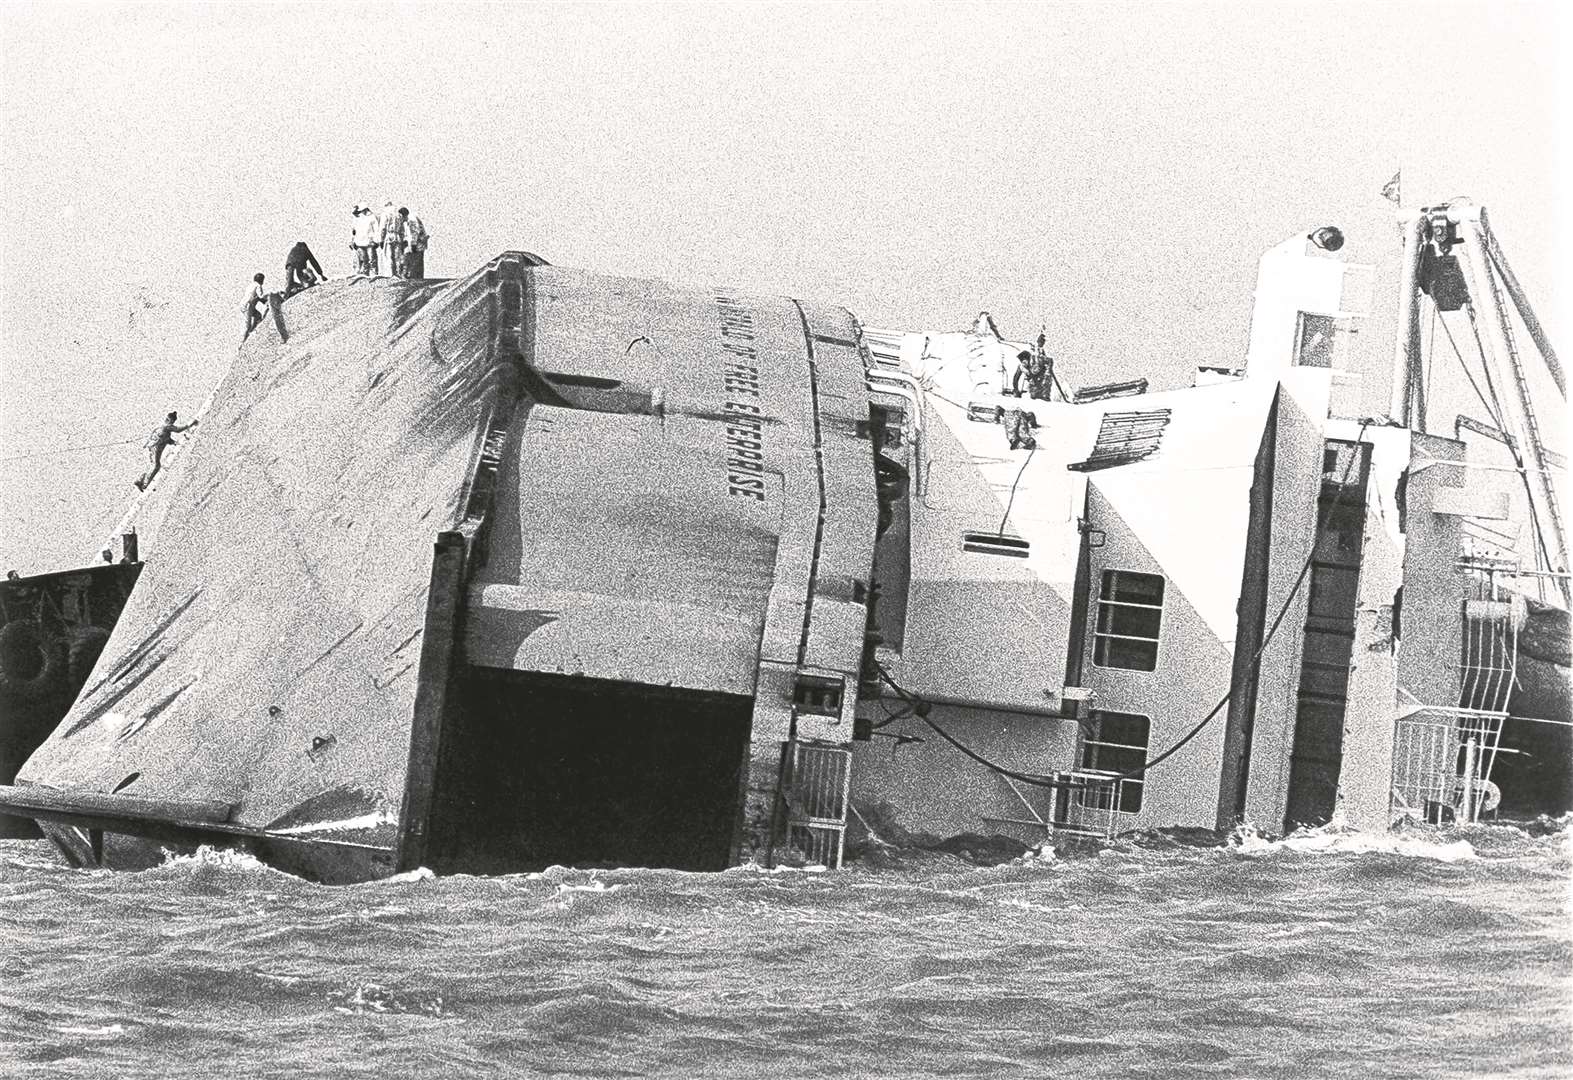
x=1130, y=612
x=1313, y=340
x=1123, y=438
x=817, y=695
x=1114, y=742
x=987, y=543
x=1335, y=591
x=1345, y=465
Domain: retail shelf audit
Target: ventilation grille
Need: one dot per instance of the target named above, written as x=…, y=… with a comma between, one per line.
x=1123, y=438
x=987, y=543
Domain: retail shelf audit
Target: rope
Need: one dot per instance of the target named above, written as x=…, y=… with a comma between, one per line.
x=1425, y=399
x=930, y=392
x=1471, y=377
x=69, y=450
x=1033, y=449
x=921, y=708
x=1513, y=448
x=1055, y=376
x=892, y=717
x=1485, y=366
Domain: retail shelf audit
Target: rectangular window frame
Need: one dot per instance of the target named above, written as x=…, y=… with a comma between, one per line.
x=1334, y=591
x=1098, y=755
x=1315, y=339
x=1101, y=649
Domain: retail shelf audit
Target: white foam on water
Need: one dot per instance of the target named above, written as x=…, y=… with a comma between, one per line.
x=420, y=873
x=228, y=858
x=1335, y=838
x=374, y=998
x=1042, y=855
x=1027, y=905
x=757, y=868
x=97, y=1032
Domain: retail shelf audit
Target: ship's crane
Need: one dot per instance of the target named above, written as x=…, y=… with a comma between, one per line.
x=1479, y=279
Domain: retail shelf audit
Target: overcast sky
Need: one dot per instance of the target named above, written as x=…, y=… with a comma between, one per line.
x=1113, y=171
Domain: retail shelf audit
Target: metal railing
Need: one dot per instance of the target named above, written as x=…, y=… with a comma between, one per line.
x=1442, y=762
x=1443, y=756
x=817, y=826
x=1092, y=805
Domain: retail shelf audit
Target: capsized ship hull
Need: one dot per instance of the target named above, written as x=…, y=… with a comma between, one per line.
x=540, y=567
x=520, y=568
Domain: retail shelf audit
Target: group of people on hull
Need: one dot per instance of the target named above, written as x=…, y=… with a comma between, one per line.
x=399, y=235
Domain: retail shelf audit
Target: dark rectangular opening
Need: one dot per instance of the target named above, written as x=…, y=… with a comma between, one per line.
x=543, y=769
x=817, y=695
x=1314, y=340
x=1115, y=743
x=1130, y=618
x=1328, y=635
x=893, y=535
x=988, y=543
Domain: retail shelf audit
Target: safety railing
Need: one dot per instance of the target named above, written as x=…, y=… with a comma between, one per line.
x=817, y=825
x=1091, y=804
x=1442, y=762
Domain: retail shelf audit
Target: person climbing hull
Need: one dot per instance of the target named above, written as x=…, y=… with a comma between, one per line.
x=448, y=504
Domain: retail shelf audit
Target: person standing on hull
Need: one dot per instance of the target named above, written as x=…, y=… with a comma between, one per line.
x=299, y=265
x=256, y=299
x=415, y=237
x=163, y=435
x=1034, y=370
x=391, y=227
x=1041, y=351
x=363, y=240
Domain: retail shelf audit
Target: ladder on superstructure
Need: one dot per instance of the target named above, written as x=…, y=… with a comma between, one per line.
x=1537, y=448
x=1430, y=234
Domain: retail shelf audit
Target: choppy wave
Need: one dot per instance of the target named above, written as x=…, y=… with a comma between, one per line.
x=1337, y=839
x=1426, y=953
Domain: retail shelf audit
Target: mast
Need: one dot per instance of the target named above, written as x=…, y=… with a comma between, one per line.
x=1406, y=352
x=1518, y=413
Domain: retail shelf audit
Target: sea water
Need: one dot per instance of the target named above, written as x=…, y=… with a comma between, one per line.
x=1428, y=953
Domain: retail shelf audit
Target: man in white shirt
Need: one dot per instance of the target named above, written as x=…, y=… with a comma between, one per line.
x=364, y=237
x=256, y=299
x=392, y=234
